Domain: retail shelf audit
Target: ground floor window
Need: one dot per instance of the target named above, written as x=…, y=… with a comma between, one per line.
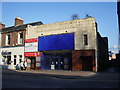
x=8, y=60
x=14, y=61
x=15, y=56
x=20, y=58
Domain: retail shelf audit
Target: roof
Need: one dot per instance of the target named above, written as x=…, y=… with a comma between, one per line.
x=20, y=27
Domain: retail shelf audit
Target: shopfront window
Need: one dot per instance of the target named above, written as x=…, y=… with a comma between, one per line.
x=20, y=58
x=65, y=63
x=15, y=56
x=8, y=60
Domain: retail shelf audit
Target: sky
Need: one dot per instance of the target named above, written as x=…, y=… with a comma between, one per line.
x=105, y=14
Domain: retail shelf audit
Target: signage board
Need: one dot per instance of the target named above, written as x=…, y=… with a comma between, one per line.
x=32, y=54
x=31, y=45
x=31, y=40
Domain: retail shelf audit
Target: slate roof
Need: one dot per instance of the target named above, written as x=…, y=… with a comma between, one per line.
x=20, y=27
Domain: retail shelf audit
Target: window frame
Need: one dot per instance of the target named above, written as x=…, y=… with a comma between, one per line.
x=85, y=39
x=20, y=39
x=8, y=39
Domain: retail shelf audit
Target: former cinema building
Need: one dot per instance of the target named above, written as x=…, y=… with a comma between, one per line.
x=69, y=45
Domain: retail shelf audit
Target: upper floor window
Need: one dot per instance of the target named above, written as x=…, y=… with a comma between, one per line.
x=20, y=38
x=85, y=37
x=8, y=39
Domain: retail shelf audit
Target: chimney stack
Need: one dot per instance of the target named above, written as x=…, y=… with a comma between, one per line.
x=18, y=21
x=2, y=25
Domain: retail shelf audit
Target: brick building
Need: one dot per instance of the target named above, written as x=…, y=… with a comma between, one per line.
x=12, y=44
x=1, y=26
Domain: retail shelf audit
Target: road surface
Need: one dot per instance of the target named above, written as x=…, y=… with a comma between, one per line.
x=107, y=79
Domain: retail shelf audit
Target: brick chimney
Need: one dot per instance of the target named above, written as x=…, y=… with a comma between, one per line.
x=2, y=25
x=18, y=21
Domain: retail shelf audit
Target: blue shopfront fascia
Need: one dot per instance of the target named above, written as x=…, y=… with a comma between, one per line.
x=56, y=42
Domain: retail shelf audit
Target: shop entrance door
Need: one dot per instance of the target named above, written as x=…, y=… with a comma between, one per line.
x=87, y=63
x=55, y=63
x=33, y=62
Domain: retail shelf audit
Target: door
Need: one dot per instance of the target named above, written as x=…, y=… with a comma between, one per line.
x=87, y=63
x=33, y=63
x=47, y=62
x=61, y=63
x=55, y=63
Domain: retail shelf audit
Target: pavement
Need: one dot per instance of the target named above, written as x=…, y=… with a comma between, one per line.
x=53, y=73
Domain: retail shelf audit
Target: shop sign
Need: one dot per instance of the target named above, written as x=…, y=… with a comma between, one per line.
x=5, y=53
x=31, y=40
x=31, y=45
x=31, y=54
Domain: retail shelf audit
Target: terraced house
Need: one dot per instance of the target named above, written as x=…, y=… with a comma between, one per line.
x=12, y=43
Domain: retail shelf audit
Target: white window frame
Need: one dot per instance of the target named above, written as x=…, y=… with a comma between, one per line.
x=7, y=39
x=20, y=40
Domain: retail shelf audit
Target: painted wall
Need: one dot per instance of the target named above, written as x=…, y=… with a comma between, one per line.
x=14, y=51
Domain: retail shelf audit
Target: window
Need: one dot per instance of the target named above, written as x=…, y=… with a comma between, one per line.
x=20, y=58
x=14, y=61
x=85, y=39
x=9, y=60
x=20, y=38
x=8, y=39
x=15, y=56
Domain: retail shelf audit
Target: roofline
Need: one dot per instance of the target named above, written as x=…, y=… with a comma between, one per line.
x=12, y=27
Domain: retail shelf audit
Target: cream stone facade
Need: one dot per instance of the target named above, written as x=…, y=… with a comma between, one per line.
x=79, y=27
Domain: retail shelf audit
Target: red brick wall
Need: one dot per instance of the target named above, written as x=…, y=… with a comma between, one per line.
x=76, y=60
x=13, y=39
x=18, y=22
x=3, y=39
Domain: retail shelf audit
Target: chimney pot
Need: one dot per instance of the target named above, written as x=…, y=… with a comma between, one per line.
x=18, y=21
x=2, y=25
